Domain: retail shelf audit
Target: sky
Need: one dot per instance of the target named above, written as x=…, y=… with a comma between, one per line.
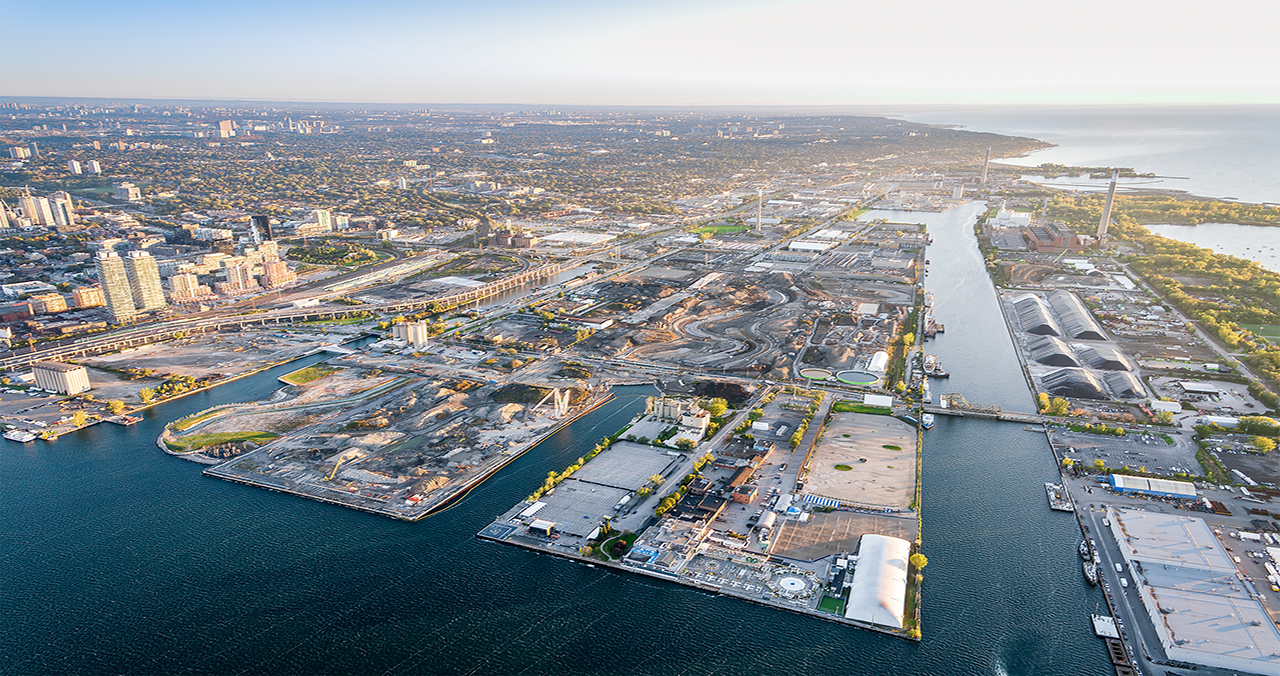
x=651, y=52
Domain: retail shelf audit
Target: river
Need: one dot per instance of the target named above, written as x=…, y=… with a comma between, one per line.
x=118, y=558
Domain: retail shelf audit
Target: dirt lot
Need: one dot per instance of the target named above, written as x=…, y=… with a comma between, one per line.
x=878, y=476
x=836, y=532
x=219, y=353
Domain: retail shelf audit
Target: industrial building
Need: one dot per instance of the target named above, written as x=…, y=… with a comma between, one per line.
x=878, y=593
x=1162, y=488
x=62, y=378
x=1105, y=358
x=1203, y=611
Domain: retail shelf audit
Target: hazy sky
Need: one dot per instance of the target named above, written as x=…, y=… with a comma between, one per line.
x=646, y=52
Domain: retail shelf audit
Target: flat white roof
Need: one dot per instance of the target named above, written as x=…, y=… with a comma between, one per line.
x=574, y=237
x=1198, y=388
x=879, y=590
x=1193, y=594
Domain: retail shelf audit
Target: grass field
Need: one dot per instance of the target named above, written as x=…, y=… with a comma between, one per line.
x=308, y=374
x=191, y=422
x=196, y=442
x=855, y=407
x=1264, y=330
x=723, y=229
x=832, y=605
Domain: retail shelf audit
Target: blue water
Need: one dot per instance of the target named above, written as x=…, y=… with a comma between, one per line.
x=116, y=558
x=1213, y=151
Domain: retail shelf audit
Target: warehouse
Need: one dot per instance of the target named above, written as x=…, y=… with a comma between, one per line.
x=1202, y=612
x=878, y=594
x=1162, y=488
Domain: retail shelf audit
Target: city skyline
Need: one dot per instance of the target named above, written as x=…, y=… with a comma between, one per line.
x=768, y=52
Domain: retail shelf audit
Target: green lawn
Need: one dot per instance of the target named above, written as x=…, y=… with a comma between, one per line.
x=305, y=375
x=832, y=605
x=192, y=422
x=196, y=442
x=723, y=229
x=1264, y=330
x=855, y=407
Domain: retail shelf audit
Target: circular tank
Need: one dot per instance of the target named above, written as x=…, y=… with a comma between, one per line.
x=857, y=377
x=815, y=374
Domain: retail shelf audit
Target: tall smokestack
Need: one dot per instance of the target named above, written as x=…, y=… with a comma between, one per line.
x=986, y=161
x=1106, y=209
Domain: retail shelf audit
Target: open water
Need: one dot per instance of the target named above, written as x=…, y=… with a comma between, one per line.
x=116, y=558
x=1214, y=151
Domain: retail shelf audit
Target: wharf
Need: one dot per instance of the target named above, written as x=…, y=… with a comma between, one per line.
x=503, y=531
x=447, y=497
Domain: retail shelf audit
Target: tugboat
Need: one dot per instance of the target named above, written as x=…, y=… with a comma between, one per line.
x=1090, y=571
x=1084, y=550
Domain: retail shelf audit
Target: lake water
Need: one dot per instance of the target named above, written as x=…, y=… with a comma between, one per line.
x=1260, y=244
x=1214, y=151
x=117, y=558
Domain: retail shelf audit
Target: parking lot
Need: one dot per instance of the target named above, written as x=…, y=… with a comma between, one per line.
x=1134, y=450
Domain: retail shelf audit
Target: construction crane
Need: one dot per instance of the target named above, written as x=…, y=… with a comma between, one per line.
x=336, y=465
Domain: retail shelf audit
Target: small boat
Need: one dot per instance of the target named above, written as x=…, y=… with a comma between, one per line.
x=1090, y=571
x=926, y=421
x=20, y=436
x=1084, y=550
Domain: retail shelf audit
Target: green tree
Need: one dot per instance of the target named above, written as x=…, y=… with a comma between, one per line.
x=79, y=418
x=146, y=394
x=716, y=407
x=1164, y=417
x=1263, y=444
x=1099, y=464
x=685, y=444
x=115, y=406
x=1042, y=400
x=1058, y=406
x=919, y=561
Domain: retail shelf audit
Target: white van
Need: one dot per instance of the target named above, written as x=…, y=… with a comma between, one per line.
x=1124, y=582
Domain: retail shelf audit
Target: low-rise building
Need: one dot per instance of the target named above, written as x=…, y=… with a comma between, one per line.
x=48, y=303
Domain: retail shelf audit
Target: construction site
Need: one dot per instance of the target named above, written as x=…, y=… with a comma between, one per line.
x=395, y=442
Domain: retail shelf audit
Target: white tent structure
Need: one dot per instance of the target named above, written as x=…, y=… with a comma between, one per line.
x=878, y=594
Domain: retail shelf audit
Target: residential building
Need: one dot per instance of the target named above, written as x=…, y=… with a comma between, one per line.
x=19, y=152
x=74, y=167
x=276, y=274
x=63, y=208
x=87, y=296
x=184, y=286
x=48, y=303
x=144, y=281
x=93, y=167
x=58, y=377
x=324, y=218
x=116, y=293
x=128, y=192
x=15, y=312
